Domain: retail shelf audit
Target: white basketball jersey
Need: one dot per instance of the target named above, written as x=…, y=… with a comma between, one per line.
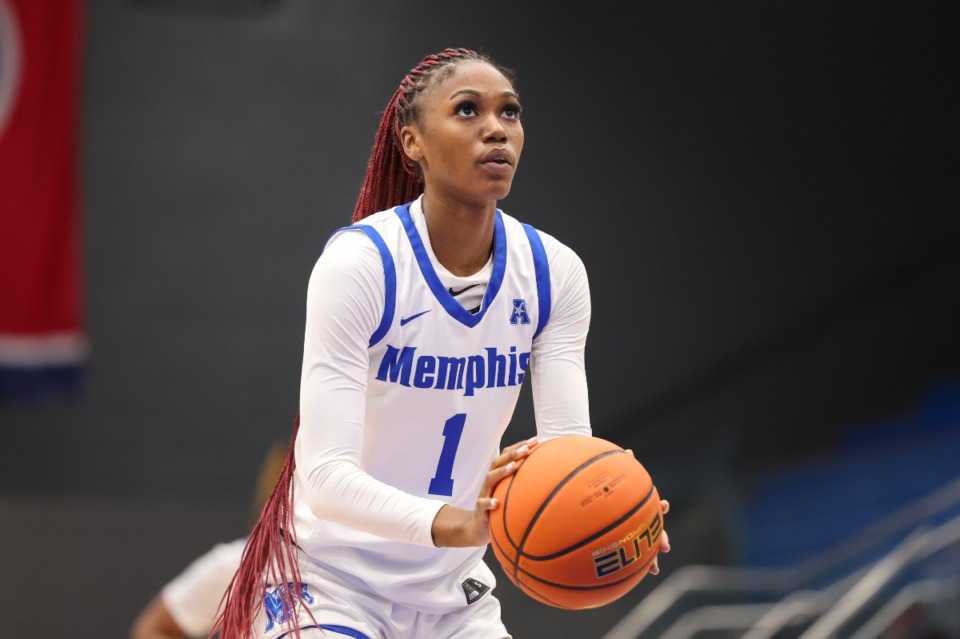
x=442, y=387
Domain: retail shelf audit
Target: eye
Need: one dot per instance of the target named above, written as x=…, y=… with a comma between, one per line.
x=512, y=111
x=467, y=108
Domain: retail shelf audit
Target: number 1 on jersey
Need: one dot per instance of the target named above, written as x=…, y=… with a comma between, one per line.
x=442, y=482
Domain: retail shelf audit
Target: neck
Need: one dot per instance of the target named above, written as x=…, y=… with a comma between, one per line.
x=461, y=236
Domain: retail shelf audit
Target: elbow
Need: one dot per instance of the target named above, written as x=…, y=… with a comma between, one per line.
x=326, y=483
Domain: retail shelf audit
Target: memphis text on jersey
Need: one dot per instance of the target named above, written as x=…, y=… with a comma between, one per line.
x=626, y=550
x=493, y=369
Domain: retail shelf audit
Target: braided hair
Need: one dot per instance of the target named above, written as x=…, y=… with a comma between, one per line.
x=270, y=555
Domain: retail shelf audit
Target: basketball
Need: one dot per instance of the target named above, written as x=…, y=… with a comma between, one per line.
x=578, y=523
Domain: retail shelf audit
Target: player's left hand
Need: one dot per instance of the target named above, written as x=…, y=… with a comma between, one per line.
x=664, y=540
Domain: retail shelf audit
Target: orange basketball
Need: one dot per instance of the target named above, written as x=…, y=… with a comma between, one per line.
x=578, y=524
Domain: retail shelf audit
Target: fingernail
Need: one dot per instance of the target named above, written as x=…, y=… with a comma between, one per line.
x=533, y=440
x=521, y=451
x=510, y=466
x=494, y=502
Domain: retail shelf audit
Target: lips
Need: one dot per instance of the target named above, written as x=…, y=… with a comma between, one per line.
x=501, y=157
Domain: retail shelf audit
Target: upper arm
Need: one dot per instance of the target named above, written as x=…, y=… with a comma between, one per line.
x=345, y=300
x=559, y=381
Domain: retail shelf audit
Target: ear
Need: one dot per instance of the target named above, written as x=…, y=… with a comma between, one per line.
x=410, y=143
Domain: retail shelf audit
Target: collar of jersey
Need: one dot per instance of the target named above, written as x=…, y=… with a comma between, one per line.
x=451, y=305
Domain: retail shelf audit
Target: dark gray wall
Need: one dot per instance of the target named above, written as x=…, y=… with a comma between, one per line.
x=763, y=194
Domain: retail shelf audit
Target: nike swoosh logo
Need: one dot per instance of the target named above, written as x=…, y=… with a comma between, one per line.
x=404, y=320
x=465, y=288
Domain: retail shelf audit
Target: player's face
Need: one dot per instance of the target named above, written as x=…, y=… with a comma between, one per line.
x=469, y=137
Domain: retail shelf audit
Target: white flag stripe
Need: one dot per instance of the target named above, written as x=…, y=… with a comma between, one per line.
x=52, y=349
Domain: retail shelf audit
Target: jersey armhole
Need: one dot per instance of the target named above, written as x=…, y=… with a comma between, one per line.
x=389, y=276
x=541, y=268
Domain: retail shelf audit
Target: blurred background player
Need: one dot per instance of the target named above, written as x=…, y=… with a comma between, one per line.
x=186, y=606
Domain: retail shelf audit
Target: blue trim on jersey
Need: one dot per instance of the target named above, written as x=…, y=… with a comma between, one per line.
x=343, y=630
x=542, y=269
x=390, y=279
x=449, y=303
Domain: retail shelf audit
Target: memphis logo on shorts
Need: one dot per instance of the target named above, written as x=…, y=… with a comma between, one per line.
x=278, y=611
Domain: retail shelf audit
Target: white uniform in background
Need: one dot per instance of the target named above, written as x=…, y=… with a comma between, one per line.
x=193, y=597
x=405, y=394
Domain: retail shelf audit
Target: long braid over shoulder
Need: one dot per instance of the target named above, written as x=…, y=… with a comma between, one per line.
x=393, y=178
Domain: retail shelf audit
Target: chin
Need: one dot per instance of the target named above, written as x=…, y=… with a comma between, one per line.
x=501, y=192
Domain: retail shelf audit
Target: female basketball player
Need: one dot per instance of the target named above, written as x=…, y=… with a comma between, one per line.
x=423, y=320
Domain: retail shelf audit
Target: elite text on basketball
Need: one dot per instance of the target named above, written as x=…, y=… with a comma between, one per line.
x=626, y=550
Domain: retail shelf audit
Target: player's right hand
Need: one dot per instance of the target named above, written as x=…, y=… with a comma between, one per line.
x=456, y=527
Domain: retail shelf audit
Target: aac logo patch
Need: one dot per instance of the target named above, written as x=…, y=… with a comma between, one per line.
x=519, y=314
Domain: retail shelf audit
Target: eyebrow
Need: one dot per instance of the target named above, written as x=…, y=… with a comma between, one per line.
x=474, y=92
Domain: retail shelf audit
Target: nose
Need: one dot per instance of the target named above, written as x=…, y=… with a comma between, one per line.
x=493, y=129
